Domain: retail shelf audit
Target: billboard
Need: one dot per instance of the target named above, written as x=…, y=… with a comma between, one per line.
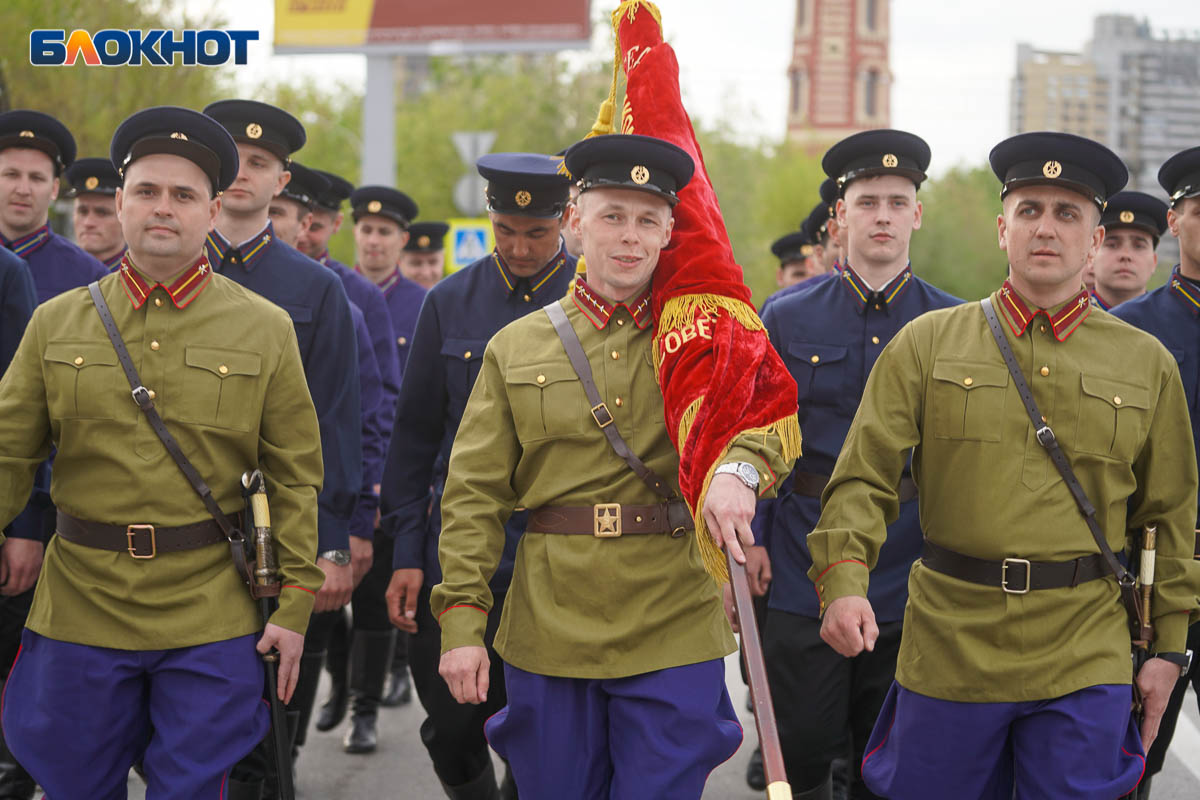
x=420, y=26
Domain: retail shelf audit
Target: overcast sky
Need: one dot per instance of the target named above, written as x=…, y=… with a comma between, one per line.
x=951, y=63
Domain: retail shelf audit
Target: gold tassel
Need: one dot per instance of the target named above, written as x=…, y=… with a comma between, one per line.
x=580, y=269
x=683, y=310
x=788, y=431
x=604, y=118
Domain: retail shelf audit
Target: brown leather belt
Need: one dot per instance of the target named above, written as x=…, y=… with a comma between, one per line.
x=141, y=540
x=812, y=484
x=610, y=520
x=1014, y=575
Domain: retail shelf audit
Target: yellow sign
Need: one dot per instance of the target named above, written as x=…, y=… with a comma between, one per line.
x=322, y=23
x=467, y=241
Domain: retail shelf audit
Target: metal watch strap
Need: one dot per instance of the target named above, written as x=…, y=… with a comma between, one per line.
x=141, y=396
x=1047, y=440
x=600, y=413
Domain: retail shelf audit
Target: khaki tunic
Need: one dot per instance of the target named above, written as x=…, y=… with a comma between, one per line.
x=578, y=606
x=1113, y=396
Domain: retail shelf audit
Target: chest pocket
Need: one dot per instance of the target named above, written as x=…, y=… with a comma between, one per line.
x=547, y=402
x=1114, y=417
x=220, y=387
x=967, y=400
x=820, y=372
x=462, y=359
x=302, y=321
x=83, y=380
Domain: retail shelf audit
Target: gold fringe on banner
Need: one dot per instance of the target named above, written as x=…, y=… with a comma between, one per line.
x=788, y=431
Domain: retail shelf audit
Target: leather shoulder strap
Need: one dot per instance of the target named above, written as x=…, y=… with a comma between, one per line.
x=600, y=412
x=1047, y=440
x=141, y=396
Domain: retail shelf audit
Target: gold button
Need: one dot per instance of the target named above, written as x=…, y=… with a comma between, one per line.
x=615, y=355
x=638, y=518
x=224, y=370
x=618, y=402
x=154, y=345
x=403, y=340
x=158, y=302
x=815, y=359
x=541, y=378
x=467, y=354
x=1042, y=328
x=1044, y=419
x=1117, y=400
x=1045, y=371
x=78, y=360
x=878, y=307
x=968, y=381
x=152, y=394
x=527, y=298
x=874, y=340
x=620, y=322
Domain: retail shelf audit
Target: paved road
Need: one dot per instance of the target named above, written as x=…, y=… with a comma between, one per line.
x=400, y=770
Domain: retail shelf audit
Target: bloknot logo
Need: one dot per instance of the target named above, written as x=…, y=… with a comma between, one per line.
x=156, y=47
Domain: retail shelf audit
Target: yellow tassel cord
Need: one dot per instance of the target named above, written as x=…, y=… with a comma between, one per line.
x=681, y=311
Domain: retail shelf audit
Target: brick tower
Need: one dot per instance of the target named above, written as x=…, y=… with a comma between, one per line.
x=839, y=79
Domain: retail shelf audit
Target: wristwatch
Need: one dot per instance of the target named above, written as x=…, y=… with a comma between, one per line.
x=1183, y=660
x=340, y=558
x=746, y=472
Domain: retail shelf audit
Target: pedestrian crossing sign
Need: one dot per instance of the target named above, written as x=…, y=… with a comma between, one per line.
x=468, y=241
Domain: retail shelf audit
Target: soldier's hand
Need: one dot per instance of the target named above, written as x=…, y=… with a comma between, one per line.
x=728, y=511
x=338, y=586
x=849, y=626
x=20, y=563
x=290, y=646
x=465, y=670
x=758, y=570
x=362, y=553
x=402, y=598
x=1156, y=679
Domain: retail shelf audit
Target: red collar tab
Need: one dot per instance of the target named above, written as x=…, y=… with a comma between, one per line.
x=599, y=311
x=1070, y=315
x=182, y=291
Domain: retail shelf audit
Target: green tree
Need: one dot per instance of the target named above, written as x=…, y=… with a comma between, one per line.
x=956, y=248
x=92, y=101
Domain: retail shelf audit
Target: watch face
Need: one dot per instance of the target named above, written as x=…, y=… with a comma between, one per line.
x=748, y=473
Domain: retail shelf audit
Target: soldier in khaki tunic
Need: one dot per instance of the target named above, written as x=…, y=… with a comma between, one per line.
x=612, y=644
x=1014, y=667
x=141, y=643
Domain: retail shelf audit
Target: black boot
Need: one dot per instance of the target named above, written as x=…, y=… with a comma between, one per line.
x=399, y=691
x=822, y=792
x=370, y=656
x=337, y=661
x=237, y=790
x=15, y=783
x=756, y=777
x=481, y=787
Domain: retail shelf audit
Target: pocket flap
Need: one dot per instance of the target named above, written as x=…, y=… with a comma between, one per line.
x=541, y=374
x=817, y=354
x=81, y=354
x=464, y=349
x=299, y=314
x=1117, y=394
x=223, y=362
x=970, y=374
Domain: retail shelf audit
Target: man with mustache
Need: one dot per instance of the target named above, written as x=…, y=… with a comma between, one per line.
x=143, y=641
x=830, y=336
x=1133, y=223
x=527, y=199
x=1171, y=314
x=1014, y=666
x=93, y=183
